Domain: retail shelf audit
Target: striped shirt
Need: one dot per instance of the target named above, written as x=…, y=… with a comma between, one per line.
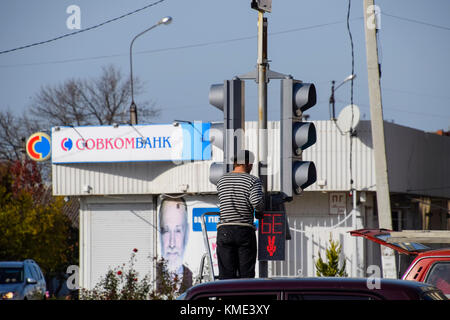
x=239, y=195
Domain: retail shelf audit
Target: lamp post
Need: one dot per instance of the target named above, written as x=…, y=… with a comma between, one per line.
x=333, y=90
x=133, y=108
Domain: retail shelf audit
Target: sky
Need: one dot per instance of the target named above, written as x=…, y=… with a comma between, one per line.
x=210, y=41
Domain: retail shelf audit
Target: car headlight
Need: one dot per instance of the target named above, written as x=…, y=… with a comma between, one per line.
x=8, y=295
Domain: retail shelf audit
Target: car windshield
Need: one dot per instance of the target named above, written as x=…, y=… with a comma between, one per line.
x=11, y=275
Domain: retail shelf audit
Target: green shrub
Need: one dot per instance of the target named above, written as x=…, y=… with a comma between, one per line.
x=331, y=267
x=124, y=283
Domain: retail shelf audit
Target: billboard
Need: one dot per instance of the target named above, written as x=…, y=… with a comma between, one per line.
x=180, y=236
x=125, y=143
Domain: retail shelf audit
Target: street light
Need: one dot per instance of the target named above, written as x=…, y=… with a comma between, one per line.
x=133, y=109
x=333, y=90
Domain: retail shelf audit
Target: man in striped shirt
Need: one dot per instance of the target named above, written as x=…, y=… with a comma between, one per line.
x=240, y=195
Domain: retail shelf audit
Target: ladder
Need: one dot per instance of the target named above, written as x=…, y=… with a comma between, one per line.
x=207, y=256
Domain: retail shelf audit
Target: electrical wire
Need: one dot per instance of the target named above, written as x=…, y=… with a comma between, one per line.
x=418, y=200
x=188, y=46
x=429, y=189
x=417, y=93
x=82, y=30
x=415, y=21
x=348, y=216
x=351, y=91
x=390, y=108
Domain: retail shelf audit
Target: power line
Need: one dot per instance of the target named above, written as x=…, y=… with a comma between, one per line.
x=391, y=108
x=430, y=203
x=409, y=92
x=351, y=92
x=417, y=93
x=188, y=46
x=82, y=30
x=416, y=21
x=430, y=189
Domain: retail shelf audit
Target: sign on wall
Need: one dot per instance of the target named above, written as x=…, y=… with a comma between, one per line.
x=38, y=146
x=338, y=203
x=210, y=220
x=156, y=142
x=180, y=240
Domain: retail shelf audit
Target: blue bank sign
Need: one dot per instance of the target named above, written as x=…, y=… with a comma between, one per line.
x=156, y=142
x=210, y=220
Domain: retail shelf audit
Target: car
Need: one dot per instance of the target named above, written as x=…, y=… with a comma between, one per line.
x=326, y=288
x=429, y=266
x=21, y=280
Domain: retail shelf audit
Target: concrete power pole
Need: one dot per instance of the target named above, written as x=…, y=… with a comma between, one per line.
x=262, y=114
x=371, y=13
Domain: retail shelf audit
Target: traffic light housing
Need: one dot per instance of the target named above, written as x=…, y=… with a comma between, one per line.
x=230, y=98
x=296, y=136
x=262, y=5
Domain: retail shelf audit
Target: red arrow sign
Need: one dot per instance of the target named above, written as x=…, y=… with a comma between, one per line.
x=271, y=248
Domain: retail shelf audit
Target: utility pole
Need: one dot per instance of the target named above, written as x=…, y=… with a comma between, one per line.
x=262, y=115
x=378, y=138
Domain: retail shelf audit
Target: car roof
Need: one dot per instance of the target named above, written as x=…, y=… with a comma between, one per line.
x=325, y=283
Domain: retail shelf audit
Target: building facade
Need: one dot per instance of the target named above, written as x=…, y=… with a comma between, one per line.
x=121, y=202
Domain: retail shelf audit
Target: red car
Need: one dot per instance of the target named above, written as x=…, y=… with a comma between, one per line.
x=429, y=266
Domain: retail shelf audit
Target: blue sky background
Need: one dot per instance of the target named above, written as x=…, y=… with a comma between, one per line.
x=211, y=40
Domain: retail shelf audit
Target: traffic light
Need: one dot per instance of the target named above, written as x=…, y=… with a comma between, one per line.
x=262, y=5
x=296, y=136
x=230, y=98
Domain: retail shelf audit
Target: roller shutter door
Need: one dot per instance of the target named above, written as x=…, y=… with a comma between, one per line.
x=115, y=230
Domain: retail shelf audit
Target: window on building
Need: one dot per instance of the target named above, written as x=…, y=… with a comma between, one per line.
x=397, y=220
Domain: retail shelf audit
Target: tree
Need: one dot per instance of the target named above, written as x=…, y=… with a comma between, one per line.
x=14, y=131
x=331, y=267
x=99, y=101
x=33, y=225
x=27, y=179
x=103, y=100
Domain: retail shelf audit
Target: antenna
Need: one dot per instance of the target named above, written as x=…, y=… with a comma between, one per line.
x=348, y=119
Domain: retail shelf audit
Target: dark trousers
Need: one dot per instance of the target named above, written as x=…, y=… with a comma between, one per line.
x=236, y=252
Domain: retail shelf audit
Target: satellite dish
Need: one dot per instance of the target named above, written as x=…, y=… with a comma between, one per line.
x=348, y=118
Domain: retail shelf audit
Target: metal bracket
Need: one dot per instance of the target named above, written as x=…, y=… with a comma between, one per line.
x=253, y=75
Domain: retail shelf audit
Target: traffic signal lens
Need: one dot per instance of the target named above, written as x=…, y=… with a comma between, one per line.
x=305, y=97
x=217, y=96
x=303, y=135
x=304, y=175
